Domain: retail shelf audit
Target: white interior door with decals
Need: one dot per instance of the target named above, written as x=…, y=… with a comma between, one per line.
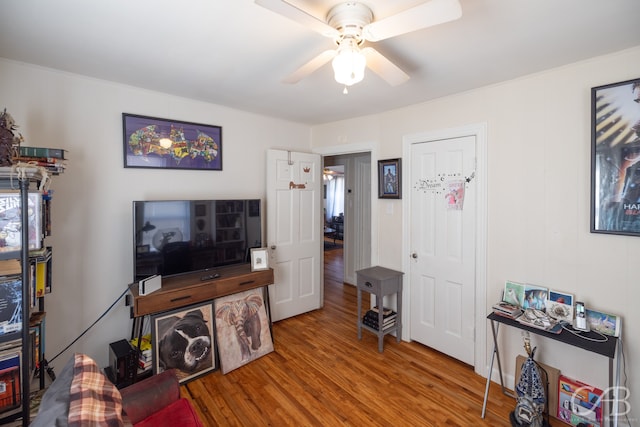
x=443, y=251
x=294, y=232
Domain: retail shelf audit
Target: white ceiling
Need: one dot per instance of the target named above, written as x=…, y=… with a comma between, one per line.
x=235, y=53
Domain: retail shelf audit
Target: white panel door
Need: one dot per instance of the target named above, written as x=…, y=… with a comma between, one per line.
x=443, y=246
x=294, y=232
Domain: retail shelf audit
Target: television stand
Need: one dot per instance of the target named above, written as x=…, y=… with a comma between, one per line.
x=183, y=290
x=210, y=276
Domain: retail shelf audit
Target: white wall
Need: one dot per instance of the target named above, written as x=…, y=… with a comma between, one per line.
x=538, y=209
x=539, y=169
x=92, y=223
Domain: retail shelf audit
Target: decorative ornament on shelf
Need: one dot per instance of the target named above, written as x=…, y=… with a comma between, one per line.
x=9, y=142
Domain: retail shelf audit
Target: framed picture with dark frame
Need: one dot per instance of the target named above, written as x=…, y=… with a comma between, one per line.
x=390, y=179
x=615, y=158
x=154, y=143
x=184, y=340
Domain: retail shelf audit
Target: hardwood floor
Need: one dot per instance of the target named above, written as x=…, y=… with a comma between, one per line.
x=320, y=374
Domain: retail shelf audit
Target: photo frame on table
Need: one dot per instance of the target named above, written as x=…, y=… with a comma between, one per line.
x=259, y=259
x=239, y=345
x=615, y=158
x=155, y=143
x=168, y=348
x=390, y=179
x=559, y=306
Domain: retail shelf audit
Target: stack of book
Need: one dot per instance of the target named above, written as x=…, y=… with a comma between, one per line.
x=52, y=159
x=370, y=318
x=506, y=309
x=145, y=359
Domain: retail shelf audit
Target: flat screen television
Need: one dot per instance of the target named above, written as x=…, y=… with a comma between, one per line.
x=172, y=237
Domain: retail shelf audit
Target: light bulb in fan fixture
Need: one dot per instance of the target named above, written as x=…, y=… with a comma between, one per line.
x=349, y=63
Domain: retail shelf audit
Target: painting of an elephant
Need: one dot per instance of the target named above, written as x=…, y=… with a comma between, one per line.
x=243, y=329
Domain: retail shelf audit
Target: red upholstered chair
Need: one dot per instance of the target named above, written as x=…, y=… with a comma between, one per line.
x=83, y=395
x=156, y=401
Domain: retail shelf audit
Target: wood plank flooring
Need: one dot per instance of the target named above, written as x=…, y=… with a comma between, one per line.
x=320, y=374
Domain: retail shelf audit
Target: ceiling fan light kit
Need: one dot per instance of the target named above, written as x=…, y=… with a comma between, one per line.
x=352, y=23
x=349, y=63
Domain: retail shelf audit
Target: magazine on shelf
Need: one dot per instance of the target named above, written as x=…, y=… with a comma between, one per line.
x=506, y=309
x=10, y=382
x=10, y=308
x=11, y=221
x=539, y=320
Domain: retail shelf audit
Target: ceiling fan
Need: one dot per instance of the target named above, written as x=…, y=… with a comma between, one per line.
x=352, y=23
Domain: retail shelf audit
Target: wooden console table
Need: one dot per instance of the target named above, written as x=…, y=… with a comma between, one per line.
x=181, y=291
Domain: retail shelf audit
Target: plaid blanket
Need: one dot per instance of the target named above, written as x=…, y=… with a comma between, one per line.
x=95, y=401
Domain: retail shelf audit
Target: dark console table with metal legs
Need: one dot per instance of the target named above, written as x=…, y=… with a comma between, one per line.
x=608, y=348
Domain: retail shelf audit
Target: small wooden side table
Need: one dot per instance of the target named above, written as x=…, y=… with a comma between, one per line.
x=380, y=281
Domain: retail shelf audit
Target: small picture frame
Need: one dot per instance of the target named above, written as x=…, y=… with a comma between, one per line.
x=560, y=306
x=259, y=259
x=192, y=357
x=390, y=179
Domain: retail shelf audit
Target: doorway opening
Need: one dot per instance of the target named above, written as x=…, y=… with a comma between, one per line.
x=347, y=209
x=334, y=192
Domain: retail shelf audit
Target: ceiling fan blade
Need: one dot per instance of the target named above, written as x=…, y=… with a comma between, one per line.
x=298, y=15
x=425, y=15
x=386, y=69
x=310, y=67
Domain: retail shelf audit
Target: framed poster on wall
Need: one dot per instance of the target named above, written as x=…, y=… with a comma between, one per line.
x=615, y=158
x=151, y=142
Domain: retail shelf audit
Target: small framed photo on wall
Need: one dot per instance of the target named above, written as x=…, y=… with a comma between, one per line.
x=390, y=179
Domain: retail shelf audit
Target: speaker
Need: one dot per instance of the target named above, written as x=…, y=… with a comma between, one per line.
x=123, y=363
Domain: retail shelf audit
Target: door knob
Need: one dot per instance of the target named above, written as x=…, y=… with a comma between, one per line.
x=273, y=247
x=414, y=255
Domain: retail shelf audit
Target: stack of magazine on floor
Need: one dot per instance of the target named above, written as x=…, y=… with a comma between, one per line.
x=370, y=318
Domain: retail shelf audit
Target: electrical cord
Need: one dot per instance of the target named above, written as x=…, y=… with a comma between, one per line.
x=624, y=382
x=567, y=327
x=45, y=363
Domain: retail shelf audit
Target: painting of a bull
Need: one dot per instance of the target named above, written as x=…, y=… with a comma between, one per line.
x=243, y=329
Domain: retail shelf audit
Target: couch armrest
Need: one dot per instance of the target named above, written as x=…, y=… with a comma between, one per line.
x=143, y=398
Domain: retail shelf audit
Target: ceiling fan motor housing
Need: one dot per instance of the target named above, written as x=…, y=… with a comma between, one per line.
x=349, y=19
